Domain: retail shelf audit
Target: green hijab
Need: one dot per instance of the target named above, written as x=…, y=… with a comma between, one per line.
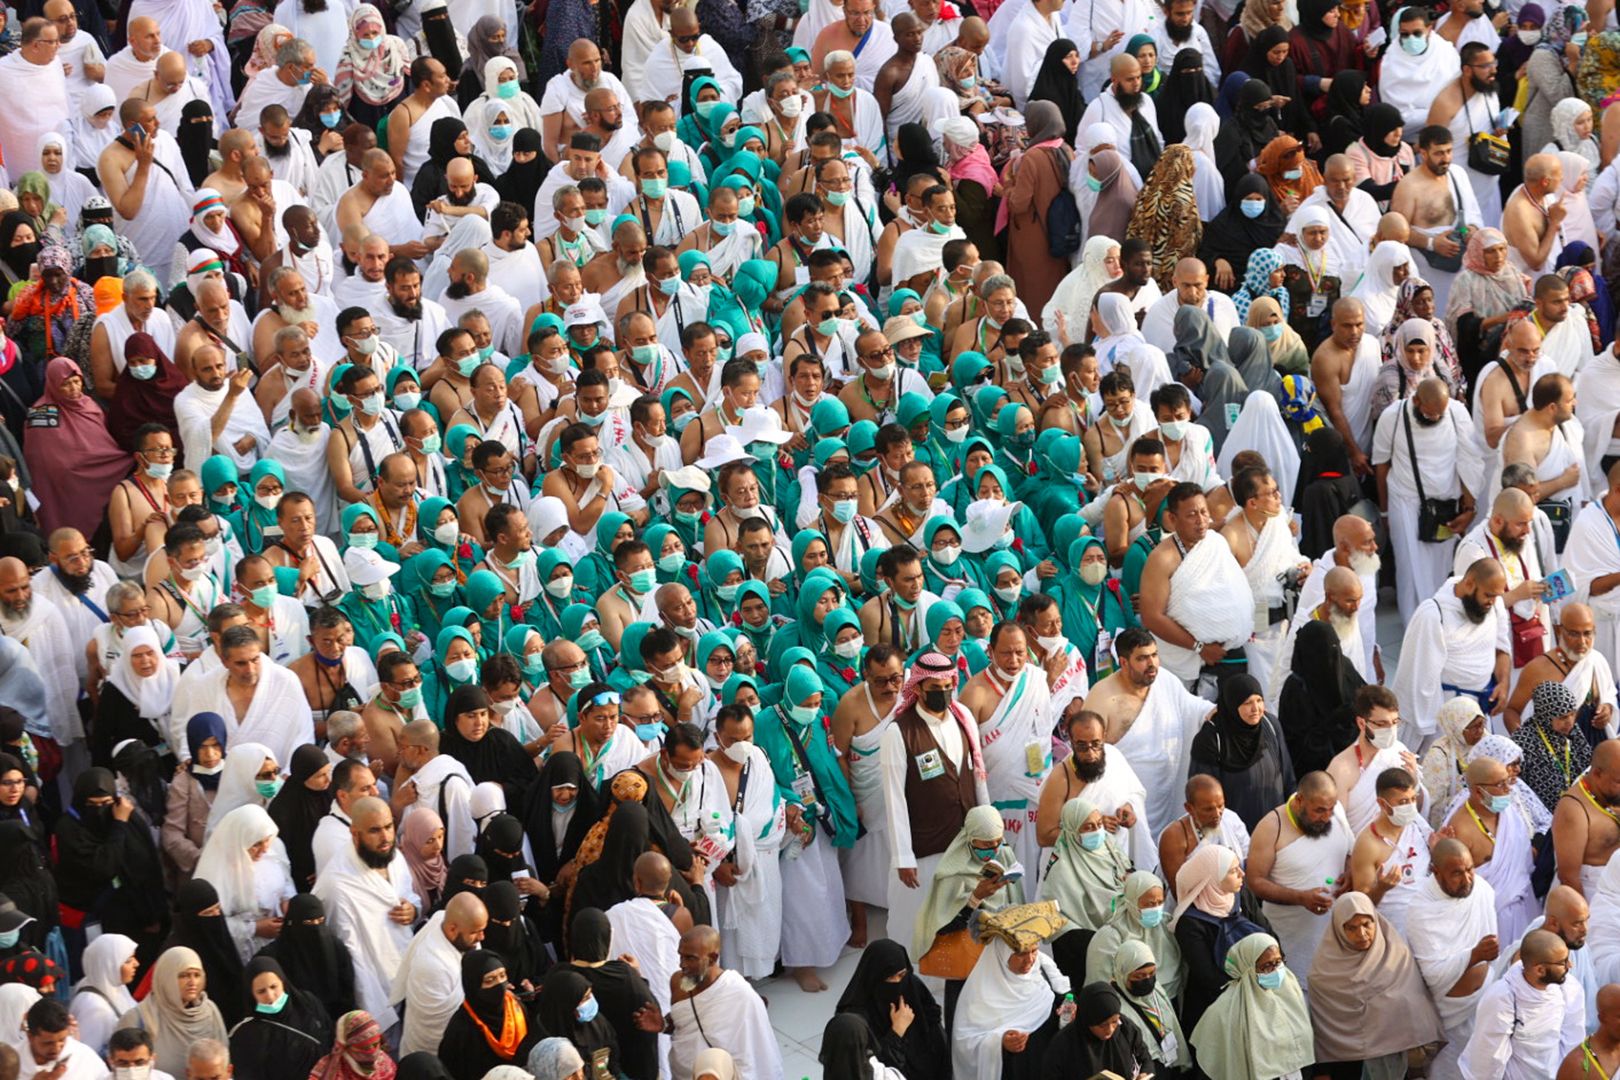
x=1249, y=1032
x=1083, y=882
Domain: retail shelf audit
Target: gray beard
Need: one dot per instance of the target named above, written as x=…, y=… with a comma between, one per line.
x=294, y=316
x=19, y=612
x=1343, y=625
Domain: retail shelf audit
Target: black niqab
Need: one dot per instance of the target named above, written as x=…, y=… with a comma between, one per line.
x=211, y=939
x=509, y=934
x=620, y=991
x=1185, y=86
x=923, y=1049
x=847, y=1047
x=196, y=139
x=297, y=810
x=561, y=768
x=1325, y=490
x=1315, y=707
x=611, y=878
x=313, y=956
x=522, y=179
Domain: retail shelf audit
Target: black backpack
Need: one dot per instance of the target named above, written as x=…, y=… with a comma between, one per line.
x=1062, y=216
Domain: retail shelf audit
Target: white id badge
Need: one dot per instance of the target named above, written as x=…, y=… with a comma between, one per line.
x=929, y=765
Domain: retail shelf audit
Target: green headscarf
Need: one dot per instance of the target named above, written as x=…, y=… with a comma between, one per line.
x=829, y=416
x=1084, y=883
x=969, y=368
x=984, y=401
x=483, y=589
x=37, y=183
x=415, y=580
x=215, y=473
x=1124, y=929
x=816, y=584
x=1249, y=1032
x=255, y=518
x=707, y=644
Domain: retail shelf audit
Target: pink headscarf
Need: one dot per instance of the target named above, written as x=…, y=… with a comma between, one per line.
x=1198, y=882
x=429, y=874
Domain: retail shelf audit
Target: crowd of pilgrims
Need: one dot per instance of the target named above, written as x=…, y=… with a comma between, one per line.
x=524, y=524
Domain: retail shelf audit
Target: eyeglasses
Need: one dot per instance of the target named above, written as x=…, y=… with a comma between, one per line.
x=649, y=718
x=687, y=39
x=881, y=354
x=1095, y=746
x=888, y=680
x=1266, y=967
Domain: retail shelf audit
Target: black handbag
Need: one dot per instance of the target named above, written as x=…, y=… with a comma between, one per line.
x=1434, y=515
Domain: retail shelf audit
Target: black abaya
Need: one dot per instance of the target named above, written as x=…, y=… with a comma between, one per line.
x=297, y=810
x=278, y=1046
x=620, y=992
x=923, y=1050
x=313, y=956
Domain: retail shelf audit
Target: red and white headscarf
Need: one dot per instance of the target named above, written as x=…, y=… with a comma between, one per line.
x=930, y=665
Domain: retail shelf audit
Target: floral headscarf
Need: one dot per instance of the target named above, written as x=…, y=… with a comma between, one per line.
x=376, y=76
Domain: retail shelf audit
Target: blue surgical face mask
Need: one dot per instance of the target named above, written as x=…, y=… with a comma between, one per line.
x=746, y=205
x=462, y=671
x=644, y=581
x=263, y=596
x=1091, y=841
x=10, y=939
x=501, y=132
x=968, y=82
x=655, y=188
x=1415, y=46
x=406, y=401
x=369, y=43
x=578, y=680
x=274, y=1007
x=363, y=541
x=1500, y=803
x=982, y=854
x=1252, y=208
x=159, y=470
x=507, y=90
x=722, y=228
x=649, y=732
x=586, y=1012
x=442, y=589
x=1152, y=916
x=670, y=286
x=410, y=699
x=802, y=714
x=143, y=372
x=1093, y=183
x=330, y=121
x=1293, y=174
x=1272, y=980
x=1272, y=332
x=844, y=510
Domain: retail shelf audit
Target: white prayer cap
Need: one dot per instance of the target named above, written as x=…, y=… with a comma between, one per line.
x=751, y=343
x=722, y=450
x=759, y=424
x=986, y=523
x=958, y=130
x=687, y=478
x=366, y=567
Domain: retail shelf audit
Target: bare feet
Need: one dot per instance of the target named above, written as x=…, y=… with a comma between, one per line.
x=857, y=926
x=808, y=980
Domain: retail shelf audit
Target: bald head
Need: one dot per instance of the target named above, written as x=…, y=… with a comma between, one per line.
x=422, y=734
x=1567, y=912
x=1450, y=852
x=13, y=571
x=1523, y=336
x=600, y=100
x=1352, y=533
x=1543, y=167
x=1432, y=395
x=1485, y=572
x=1486, y=772
x=652, y=873
x=1343, y=580
x=235, y=141
x=1392, y=226
x=171, y=69
x=460, y=171
x=705, y=939
x=683, y=20
x=465, y=920
x=369, y=810
x=1123, y=66
x=1608, y=1007
x=1512, y=504
x=1316, y=785
x=470, y=261
x=974, y=33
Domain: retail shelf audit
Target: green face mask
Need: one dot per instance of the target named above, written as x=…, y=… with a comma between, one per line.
x=689, y=517
x=534, y=665
x=267, y=788
x=591, y=639
x=364, y=541
x=263, y=596
x=580, y=679
x=705, y=108
x=596, y=215
x=442, y=589
x=410, y=699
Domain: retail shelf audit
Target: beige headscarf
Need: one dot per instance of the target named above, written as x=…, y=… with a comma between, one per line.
x=173, y=1026
x=1368, y=1004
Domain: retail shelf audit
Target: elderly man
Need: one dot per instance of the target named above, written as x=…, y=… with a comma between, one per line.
x=135, y=62
x=711, y=1006
x=113, y=330
x=1299, y=852
x=371, y=904
x=1497, y=830
x=428, y=980
x=34, y=74
x=1207, y=821
x=292, y=304
x=562, y=106
x=287, y=84
x=145, y=179
x=261, y=702
x=436, y=781
x=365, y=258
x=382, y=206
x=1456, y=643
x=1418, y=456
x=194, y=30
x=1352, y=215
x=1529, y=1019
x=43, y=631
x=170, y=89
x=859, y=32
x=76, y=584
x=687, y=53
x=1580, y=667
x=1451, y=927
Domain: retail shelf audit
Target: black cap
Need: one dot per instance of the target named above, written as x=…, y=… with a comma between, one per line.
x=11, y=916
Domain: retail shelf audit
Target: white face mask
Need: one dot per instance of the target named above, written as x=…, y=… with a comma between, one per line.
x=1009, y=593
x=1056, y=644
x=1381, y=738
x=377, y=590
x=138, y=1072
x=448, y=533
x=956, y=435
x=739, y=751
x=1404, y=815
x=947, y=556
x=560, y=587
x=1093, y=573
x=1143, y=479
x=850, y=649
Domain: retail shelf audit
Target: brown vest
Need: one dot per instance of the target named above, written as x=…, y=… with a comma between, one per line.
x=938, y=807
